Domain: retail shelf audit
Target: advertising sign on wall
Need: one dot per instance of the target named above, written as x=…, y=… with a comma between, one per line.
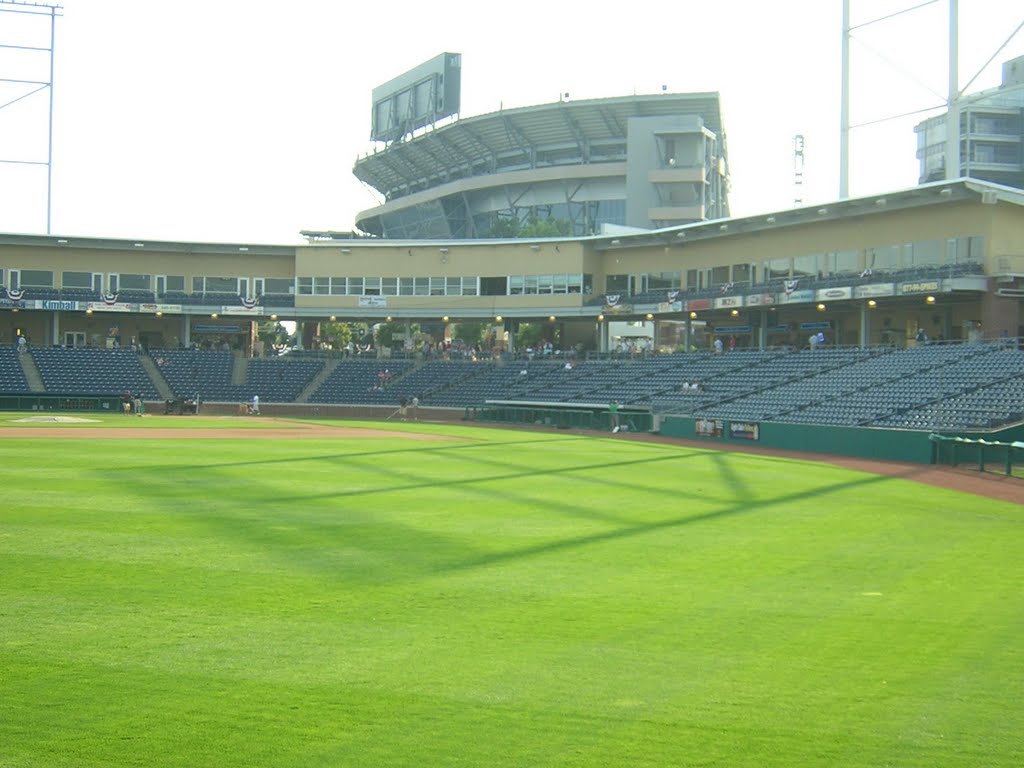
x=709, y=427
x=744, y=430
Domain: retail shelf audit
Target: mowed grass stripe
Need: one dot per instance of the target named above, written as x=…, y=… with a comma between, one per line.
x=515, y=599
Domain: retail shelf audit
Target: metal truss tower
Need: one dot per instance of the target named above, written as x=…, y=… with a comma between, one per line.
x=798, y=169
x=953, y=96
x=20, y=89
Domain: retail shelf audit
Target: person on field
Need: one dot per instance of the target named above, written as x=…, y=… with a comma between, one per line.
x=613, y=415
x=415, y=405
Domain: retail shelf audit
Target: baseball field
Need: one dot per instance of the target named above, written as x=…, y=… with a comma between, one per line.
x=184, y=591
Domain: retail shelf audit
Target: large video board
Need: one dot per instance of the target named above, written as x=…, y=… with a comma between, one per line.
x=419, y=97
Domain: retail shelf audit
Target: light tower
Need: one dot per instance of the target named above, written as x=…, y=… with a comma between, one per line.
x=798, y=169
x=20, y=88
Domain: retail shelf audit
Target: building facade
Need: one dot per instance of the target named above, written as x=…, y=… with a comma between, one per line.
x=991, y=134
x=947, y=257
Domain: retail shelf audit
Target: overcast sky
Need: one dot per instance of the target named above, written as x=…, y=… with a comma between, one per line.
x=240, y=120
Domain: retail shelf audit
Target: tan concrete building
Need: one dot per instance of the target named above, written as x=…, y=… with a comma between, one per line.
x=945, y=257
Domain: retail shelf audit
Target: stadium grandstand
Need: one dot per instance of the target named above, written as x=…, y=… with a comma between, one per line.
x=642, y=161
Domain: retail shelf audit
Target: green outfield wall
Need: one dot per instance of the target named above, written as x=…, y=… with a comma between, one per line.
x=864, y=442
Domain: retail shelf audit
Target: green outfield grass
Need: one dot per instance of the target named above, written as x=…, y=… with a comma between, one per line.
x=502, y=599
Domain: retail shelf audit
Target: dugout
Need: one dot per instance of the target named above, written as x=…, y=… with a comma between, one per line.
x=592, y=416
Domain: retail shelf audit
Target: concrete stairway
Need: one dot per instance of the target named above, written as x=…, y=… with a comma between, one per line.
x=31, y=371
x=153, y=371
x=319, y=379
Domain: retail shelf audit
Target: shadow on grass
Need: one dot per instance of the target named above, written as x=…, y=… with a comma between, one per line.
x=380, y=548
x=332, y=456
x=744, y=508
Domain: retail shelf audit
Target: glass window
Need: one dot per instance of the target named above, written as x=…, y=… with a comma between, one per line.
x=660, y=281
x=975, y=250
x=279, y=285
x=805, y=266
x=742, y=273
x=221, y=285
x=422, y=286
x=776, y=268
x=197, y=285
x=405, y=286
x=437, y=286
x=453, y=286
x=574, y=283
x=389, y=286
x=339, y=286
x=469, y=287
x=588, y=284
x=885, y=257
x=355, y=286
x=530, y=284
x=560, y=284
x=617, y=284
x=305, y=286
x=515, y=285
x=927, y=253
x=371, y=286
x=76, y=280
x=842, y=262
x=177, y=283
x=134, y=282
x=36, y=278
x=719, y=275
x=693, y=280
x=321, y=286
x=544, y=283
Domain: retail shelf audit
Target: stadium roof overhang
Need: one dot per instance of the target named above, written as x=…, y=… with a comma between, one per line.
x=934, y=193
x=578, y=132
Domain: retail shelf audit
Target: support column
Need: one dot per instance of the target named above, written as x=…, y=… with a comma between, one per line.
x=55, y=335
x=762, y=332
x=186, y=332
x=865, y=326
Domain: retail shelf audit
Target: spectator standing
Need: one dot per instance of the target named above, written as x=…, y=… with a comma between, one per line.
x=718, y=346
x=415, y=403
x=613, y=415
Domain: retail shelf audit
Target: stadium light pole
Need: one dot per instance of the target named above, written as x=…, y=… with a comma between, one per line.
x=35, y=9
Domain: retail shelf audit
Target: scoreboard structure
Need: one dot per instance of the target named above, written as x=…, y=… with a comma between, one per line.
x=417, y=98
